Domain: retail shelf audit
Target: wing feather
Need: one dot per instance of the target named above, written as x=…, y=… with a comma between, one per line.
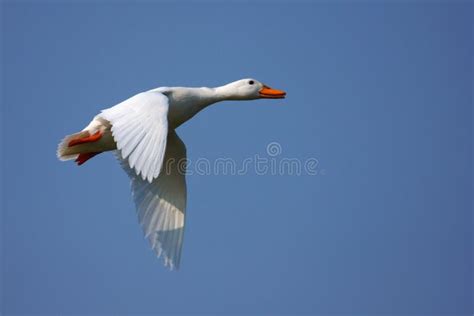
x=140, y=129
x=161, y=204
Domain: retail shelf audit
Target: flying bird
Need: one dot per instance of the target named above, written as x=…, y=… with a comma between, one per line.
x=141, y=131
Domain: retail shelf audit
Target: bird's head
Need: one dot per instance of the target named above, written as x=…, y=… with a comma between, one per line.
x=251, y=89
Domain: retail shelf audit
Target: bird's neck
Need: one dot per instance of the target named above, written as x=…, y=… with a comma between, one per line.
x=187, y=102
x=226, y=92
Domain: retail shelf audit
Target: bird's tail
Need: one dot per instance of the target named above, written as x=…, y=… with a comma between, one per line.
x=67, y=152
x=82, y=146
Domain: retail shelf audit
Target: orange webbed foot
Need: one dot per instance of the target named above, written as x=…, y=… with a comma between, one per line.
x=82, y=158
x=87, y=139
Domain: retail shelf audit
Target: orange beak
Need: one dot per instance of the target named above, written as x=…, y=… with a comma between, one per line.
x=269, y=93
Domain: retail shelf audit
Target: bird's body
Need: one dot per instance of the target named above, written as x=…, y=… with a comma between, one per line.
x=142, y=131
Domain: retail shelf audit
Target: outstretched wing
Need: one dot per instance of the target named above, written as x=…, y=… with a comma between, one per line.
x=140, y=128
x=161, y=204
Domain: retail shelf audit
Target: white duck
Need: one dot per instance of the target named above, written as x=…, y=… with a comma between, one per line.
x=142, y=131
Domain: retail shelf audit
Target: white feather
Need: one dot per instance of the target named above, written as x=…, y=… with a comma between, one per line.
x=161, y=204
x=138, y=124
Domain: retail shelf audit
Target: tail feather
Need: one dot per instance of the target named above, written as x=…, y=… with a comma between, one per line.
x=92, y=140
x=64, y=152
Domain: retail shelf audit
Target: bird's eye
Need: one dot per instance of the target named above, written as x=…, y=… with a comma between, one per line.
x=251, y=82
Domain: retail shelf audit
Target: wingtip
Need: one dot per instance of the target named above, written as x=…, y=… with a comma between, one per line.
x=167, y=261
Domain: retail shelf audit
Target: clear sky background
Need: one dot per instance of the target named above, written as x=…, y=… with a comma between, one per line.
x=379, y=93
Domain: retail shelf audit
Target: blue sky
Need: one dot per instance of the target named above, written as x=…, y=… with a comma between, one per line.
x=379, y=93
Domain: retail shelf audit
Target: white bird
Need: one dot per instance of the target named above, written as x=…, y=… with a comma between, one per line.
x=142, y=132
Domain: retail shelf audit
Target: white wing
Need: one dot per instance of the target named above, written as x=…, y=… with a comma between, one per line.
x=139, y=127
x=161, y=204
